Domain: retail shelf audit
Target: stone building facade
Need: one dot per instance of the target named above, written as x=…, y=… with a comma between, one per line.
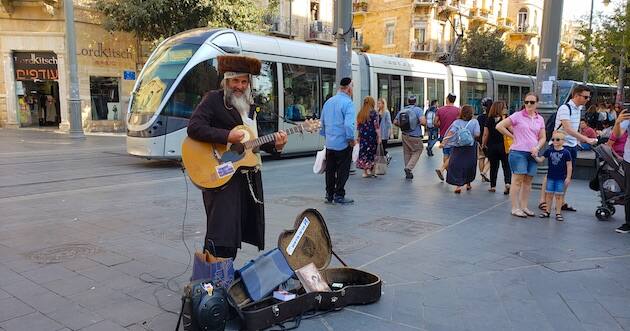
x=34, y=81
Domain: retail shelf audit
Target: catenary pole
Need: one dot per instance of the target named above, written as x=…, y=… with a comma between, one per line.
x=343, y=35
x=74, y=101
x=587, y=52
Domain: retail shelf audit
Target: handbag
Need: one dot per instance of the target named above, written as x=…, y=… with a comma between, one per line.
x=319, y=167
x=507, y=143
x=380, y=161
x=266, y=273
x=217, y=269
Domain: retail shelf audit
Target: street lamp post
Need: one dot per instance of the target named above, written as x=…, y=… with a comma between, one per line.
x=588, y=44
x=74, y=101
x=343, y=34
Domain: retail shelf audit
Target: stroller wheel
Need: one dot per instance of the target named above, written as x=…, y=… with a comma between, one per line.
x=611, y=208
x=602, y=213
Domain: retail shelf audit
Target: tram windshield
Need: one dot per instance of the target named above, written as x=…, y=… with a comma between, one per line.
x=158, y=76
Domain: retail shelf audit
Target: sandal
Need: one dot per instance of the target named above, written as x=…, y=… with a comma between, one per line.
x=439, y=174
x=567, y=207
x=559, y=218
x=457, y=191
x=518, y=213
x=528, y=212
x=544, y=214
x=484, y=178
x=492, y=189
x=507, y=190
x=542, y=206
x=468, y=187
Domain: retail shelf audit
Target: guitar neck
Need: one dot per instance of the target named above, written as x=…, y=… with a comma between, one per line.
x=271, y=137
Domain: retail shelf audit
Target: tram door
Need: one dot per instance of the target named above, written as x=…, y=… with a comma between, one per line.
x=389, y=89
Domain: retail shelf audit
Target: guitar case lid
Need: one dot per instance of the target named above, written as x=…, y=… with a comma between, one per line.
x=308, y=241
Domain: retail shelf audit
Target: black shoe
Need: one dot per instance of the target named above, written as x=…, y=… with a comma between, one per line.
x=408, y=174
x=625, y=228
x=353, y=171
x=343, y=200
x=328, y=200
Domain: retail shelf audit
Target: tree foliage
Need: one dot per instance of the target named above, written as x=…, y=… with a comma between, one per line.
x=152, y=20
x=484, y=48
x=608, y=41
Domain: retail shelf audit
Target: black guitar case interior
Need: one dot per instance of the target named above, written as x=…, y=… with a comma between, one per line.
x=359, y=287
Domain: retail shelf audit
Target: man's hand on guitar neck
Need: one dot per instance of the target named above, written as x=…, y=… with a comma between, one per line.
x=235, y=136
x=281, y=140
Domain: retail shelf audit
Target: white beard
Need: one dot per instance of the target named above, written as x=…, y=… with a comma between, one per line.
x=241, y=103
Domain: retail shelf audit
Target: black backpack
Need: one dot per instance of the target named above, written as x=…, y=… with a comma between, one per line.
x=403, y=121
x=550, y=126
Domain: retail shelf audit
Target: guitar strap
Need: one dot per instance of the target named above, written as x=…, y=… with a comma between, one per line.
x=251, y=187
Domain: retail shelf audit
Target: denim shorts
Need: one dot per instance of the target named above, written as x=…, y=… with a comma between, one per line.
x=447, y=151
x=555, y=186
x=522, y=163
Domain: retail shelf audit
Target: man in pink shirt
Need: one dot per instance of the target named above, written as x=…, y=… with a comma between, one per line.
x=445, y=116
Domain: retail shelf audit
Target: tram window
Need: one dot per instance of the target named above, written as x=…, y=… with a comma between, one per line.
x=472, y=93
x=515, y=95
x=301, y=92
x=158, y=76
x=524, y=91
x=389, y=89
x=226, y=39
x=415, y=86
x=329, y=85
x=435, y=90
x=196, y=83
x=265, y=93
x=504, y=93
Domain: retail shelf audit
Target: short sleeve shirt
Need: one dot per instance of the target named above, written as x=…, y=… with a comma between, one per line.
x=525, y=130
x=557, y=162
x=447, y=115
x=626, y=149
x=573, y=116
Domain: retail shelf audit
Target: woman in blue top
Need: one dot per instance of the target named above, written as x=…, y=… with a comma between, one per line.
x=386, y=124
x=462, y=166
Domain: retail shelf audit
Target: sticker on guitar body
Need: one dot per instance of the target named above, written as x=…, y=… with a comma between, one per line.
x=225, y=169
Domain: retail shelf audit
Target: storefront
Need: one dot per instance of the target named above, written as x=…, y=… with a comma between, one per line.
x=34, y=82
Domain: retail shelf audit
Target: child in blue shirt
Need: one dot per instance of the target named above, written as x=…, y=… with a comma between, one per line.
x=558, y=175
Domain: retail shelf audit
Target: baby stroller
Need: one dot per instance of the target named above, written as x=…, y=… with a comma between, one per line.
x=608, y=181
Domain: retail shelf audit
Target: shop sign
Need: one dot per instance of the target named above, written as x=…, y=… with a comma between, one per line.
x=35, y=66
x=129, y=75
x=101, y=51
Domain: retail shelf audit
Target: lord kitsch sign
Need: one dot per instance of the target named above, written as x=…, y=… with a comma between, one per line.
x=35, y=66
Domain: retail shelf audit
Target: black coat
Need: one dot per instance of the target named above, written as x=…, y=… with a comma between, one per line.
x=232, y=214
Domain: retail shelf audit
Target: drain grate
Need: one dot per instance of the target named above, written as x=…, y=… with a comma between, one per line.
x=402, y=226
x=344, y=243
x=296, y=201
x=61, y=253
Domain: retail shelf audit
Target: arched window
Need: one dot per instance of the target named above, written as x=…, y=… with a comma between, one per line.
x=522, y=20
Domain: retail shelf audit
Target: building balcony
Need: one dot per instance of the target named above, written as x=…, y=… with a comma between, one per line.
x=420, y=47
x=448, y=6
x=525, y=30
x=282, y=27
x=478, y=14
x=505, y=24
x=358, y=44
x=359, y=7
x=425, y=3
x=319, y=32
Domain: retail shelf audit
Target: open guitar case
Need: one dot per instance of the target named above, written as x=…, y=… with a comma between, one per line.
x=359, y=287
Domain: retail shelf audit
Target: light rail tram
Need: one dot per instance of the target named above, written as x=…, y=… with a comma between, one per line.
x=296, y=79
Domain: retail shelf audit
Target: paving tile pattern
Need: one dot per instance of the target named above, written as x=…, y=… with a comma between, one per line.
x=90, y=236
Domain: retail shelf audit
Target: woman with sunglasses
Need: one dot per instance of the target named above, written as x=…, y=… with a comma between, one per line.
x=568, y=119
x=527, y=130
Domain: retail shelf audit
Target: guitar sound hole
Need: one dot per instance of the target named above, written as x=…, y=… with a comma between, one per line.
x=235, y=153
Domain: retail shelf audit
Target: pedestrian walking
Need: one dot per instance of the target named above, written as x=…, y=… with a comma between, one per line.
x=527, y=130
x=369, y=136
x=558, y=174
x=462, y=138
x=445, y=117
x=337, y=125
x=622, y=125
x=386, y=125
x=410, y=121
x=494, y=146
x=432, y=130
x=482, y=159
x=568, y=118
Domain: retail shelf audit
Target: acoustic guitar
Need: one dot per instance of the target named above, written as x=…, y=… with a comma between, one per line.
x=212, y=166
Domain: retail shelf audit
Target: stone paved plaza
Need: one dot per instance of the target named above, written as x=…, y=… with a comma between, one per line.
x=89, y=236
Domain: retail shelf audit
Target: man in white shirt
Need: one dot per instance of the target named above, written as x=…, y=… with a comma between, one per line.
x=568, y=120
x=622, y=124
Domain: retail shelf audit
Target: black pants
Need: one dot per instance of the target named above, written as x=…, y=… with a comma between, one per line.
x=384, y=144
x=337, y=171
x=496, y=155
x=222, y=251
x=626, y=170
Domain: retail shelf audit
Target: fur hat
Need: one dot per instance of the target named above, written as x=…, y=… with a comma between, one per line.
x=238, y=63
